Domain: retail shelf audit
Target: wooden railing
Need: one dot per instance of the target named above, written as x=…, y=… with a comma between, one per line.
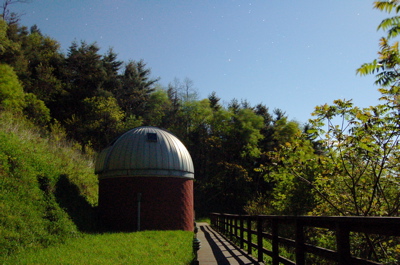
x=290, y=232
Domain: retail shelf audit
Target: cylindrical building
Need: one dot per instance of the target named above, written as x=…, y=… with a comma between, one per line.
x=146, y=182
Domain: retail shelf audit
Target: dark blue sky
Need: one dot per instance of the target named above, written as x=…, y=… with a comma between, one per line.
x=291, y=54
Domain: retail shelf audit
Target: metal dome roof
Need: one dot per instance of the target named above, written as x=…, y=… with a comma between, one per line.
x=145, y=151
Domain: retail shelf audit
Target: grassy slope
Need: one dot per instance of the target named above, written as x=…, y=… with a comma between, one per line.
x=43, y=182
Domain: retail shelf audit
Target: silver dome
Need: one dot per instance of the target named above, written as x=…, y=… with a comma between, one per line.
x=145, y=151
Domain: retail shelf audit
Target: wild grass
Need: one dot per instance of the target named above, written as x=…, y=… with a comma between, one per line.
x=147, y=247
x=48, y=190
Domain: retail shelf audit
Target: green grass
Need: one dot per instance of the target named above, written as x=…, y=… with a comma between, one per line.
x=203, y=220
x=48, y=190
x=147, y=247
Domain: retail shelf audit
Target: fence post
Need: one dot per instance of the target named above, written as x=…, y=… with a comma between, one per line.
x=222, y=223
x=236, y=228
x=241, y=233
x=300, y=247
x=343, y=244
x=249, y=236
x=226, y=225
x=231, y=227
x=275, y=241
x=260, y=238
x=213, y=220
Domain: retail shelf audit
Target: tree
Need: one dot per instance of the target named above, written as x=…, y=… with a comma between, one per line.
x=36, y=110
x=362, y=153
x=10, y=46
x=186, y=109
x=289, y=167
x=11, y=92
x=111, y=66
x=214, y=101
x=158, y=107
x=136, y=88
x=7, y=47
x=84, y=70
x=185, y=89
x=45, y=61
x=227, y=150
x=101, y=121
x=386, y=66
x=360, y=168
x=7, y=15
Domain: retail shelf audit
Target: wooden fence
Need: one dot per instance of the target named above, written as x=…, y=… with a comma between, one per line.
x=290, y=232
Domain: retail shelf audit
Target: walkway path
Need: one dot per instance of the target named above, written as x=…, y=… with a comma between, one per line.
x=215, y=249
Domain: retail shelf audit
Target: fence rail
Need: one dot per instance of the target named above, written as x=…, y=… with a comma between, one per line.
x=252, y=231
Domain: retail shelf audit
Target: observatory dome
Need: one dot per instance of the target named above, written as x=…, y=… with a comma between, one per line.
x=145, y=151
x=146, y=182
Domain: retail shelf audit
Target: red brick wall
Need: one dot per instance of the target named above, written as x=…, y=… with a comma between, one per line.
x=166, y=203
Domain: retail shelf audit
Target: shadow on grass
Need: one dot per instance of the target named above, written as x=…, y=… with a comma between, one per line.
x=81, y=212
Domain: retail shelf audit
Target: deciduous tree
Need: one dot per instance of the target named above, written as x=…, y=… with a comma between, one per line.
x=11, y=93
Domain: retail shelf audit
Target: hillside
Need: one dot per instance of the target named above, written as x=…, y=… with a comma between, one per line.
x=48, y=191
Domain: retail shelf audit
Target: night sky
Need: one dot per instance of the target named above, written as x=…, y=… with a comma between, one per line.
x=291, y=55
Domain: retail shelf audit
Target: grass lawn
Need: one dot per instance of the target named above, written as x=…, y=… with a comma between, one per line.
x=203, y=220
x=147, y=247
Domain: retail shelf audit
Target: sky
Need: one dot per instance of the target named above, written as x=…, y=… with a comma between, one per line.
x=292, y=55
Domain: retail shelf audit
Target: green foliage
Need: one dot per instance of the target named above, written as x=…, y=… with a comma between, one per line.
x=190, y=116
x=136, y=88
x=45, y=61
x=387, y=6
x=246, y=130
x=36, y=110
x=392, y=25
x=84, y=70
x=8, y=48
x=386, y=66
x=362, y=155
x=291, y=170
x=157, y=107
x=230, y=145
x=11, y=92
x=100, y=122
